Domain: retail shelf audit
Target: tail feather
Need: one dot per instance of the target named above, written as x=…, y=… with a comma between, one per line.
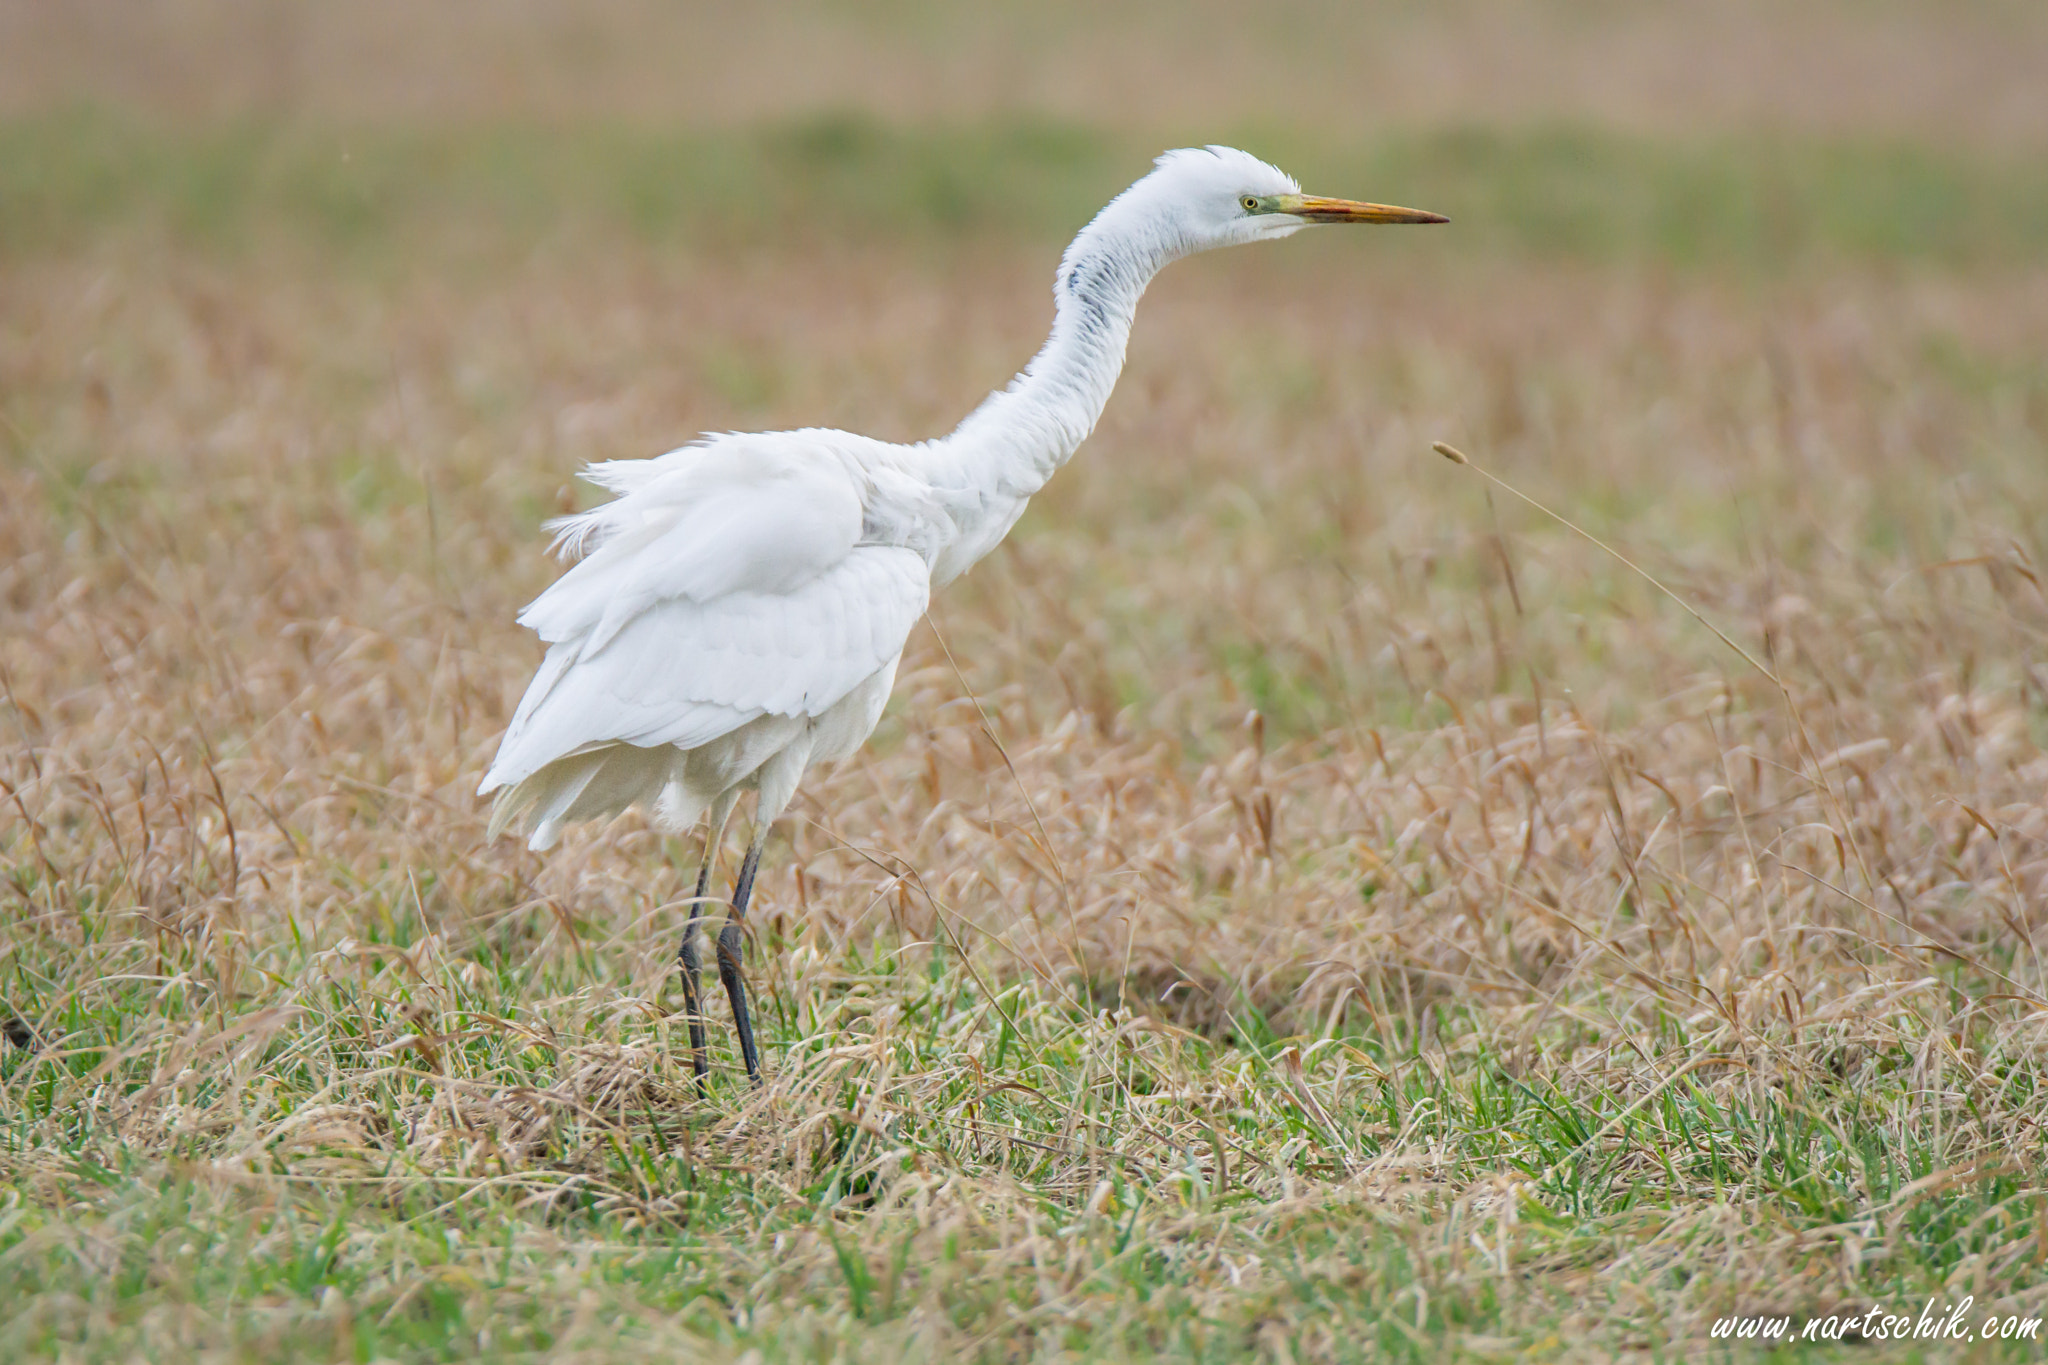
x=540, y=799
x=583, y=786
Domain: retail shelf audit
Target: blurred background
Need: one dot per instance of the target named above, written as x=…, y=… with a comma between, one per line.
x=1915, y=69
x=333, y=300
x=308, y=313
x=1584, y=126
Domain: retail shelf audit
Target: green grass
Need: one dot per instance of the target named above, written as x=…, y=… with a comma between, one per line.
x=1764, y=202
x=1152, y=1166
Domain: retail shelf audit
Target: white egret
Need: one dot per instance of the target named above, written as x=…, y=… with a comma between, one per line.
x=740, y=606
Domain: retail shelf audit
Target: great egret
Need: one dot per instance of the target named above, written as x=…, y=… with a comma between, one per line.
x=741, y=604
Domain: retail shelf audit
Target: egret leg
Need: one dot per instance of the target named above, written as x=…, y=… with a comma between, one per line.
x=693, y=995
x=731, y=939
x=693, y=990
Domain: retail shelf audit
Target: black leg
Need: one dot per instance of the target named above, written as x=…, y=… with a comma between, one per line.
x=693, y=995
x=730, y=941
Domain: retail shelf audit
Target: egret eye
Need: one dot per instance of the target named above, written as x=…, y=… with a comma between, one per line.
x=1250, y=202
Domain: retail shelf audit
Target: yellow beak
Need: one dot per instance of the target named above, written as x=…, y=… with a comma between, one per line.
x=1316, y=209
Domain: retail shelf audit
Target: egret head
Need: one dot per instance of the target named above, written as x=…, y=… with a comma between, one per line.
x=1202, y=197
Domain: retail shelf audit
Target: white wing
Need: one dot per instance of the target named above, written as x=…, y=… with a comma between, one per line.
x=728, y=583
x=758, y=513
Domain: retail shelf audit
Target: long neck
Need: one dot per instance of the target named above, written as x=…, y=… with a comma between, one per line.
x=1010, y=445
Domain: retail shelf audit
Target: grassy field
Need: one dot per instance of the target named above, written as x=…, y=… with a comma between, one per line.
x=1300, y=904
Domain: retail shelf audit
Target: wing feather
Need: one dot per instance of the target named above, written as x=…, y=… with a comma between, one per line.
x=682, y=672
x=742, y=514
x=727, y=581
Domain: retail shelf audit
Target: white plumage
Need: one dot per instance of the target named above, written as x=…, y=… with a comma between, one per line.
x=741, y=605
x=729, y=609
